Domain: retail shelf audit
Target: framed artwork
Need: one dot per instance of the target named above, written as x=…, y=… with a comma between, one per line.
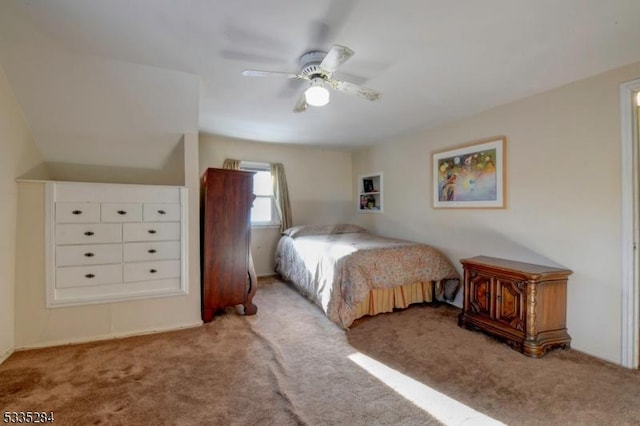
x=471, y=176
x=367, y=185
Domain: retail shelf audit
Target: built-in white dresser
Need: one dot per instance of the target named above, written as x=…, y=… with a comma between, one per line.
x=112, y=242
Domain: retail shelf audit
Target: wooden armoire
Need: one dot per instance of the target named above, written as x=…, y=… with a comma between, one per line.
x=228, y=275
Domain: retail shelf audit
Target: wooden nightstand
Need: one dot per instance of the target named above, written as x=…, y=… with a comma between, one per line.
x=521, y=303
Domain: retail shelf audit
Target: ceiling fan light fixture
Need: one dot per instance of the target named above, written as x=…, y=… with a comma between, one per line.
x=317, y=95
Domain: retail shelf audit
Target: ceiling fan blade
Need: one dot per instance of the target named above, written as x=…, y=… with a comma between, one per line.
x=257, y=73
x=248, y=38
x=337, y=56
x=354, y=89
x=324, y=30
x=250, y=57
x=301, y=105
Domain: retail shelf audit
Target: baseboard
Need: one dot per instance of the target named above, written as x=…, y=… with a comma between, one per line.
x=107, y=337
x=6, y=355
x=269, y=274
x=599, y=357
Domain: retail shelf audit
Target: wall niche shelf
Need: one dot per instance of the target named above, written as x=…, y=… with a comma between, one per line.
x=370, y=191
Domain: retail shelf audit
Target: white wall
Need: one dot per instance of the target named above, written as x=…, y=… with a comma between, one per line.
x=192, y=182
x=319, y=181
x=18, y=155
x=563, y=196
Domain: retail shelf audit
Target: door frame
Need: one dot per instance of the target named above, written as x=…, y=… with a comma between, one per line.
x=630, y=224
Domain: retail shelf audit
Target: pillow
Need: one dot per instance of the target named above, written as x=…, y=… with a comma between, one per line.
x=343, y=228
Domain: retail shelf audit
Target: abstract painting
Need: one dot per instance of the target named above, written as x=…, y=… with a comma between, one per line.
x=470, y=176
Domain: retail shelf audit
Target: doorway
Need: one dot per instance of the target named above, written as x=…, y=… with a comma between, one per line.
x=629, y=108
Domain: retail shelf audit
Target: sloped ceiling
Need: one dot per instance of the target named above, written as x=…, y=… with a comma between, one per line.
x=117, y=82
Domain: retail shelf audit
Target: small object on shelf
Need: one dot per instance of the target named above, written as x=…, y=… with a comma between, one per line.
x=522, y=303
x=367, y=184
x=371, y=202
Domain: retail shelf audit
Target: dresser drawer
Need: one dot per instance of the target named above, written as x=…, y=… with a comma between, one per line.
x=88, y=234
x=151, y=231
x=164, y=250
x=161, y=212
x=88, y=254
x=84, y=276
x=77, y=212
x=145, y=271
x=120, y=212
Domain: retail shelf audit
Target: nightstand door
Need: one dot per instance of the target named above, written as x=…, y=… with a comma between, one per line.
x=510, y=303
x=479, y=297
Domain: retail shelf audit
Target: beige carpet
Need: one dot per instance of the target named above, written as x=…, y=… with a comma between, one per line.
x=289, y=365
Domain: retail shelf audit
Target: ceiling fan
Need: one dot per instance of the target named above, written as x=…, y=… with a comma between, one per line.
x=318, y=68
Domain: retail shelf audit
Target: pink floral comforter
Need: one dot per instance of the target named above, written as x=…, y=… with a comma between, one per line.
x=337, y=271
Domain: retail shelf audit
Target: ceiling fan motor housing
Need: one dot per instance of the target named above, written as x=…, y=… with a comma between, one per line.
x=310, y=64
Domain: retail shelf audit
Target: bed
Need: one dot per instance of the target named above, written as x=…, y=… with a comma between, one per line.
x=350, y=272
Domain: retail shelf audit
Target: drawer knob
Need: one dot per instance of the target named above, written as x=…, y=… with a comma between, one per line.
x=89, y=254
x=152, y=251
x=122, y=212
x=162, y=212
x=89, y=275
x=153, y=271
x=88, y=233
x=152, y=231
x=77, y=212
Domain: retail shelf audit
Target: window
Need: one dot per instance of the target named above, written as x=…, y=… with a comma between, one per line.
x=264, y=211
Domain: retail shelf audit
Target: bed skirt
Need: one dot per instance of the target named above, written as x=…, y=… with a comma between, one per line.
x=382, y=300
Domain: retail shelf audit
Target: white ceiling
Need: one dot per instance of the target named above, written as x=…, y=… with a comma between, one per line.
x=100, y=79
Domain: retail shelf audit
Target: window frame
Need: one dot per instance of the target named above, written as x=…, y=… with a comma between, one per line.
x=252, y=166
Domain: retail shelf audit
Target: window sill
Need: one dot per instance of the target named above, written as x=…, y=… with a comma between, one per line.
x=266, y=226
